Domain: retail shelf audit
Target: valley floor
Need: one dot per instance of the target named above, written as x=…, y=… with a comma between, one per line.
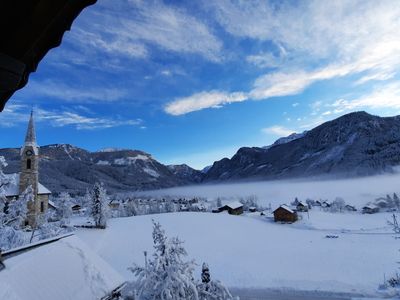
x=251, y=251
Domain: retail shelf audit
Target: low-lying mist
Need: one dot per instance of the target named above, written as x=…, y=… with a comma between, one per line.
x=356, y=191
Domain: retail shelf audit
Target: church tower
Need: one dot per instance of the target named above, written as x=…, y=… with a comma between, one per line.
x=29, y=175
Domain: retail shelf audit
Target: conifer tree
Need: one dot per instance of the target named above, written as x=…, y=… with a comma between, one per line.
x=99, y=205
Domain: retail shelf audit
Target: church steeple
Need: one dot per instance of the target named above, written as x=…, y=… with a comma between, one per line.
x=30, y=137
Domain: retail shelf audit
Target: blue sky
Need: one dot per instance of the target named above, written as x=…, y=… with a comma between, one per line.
x=192, y=81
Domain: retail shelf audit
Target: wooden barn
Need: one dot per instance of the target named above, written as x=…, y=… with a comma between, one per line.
x=370, y=209
x=284, y=214
x=234, y=208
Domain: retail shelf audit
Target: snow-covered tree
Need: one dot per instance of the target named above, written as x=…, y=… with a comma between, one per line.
x=17, y=209
x=212, y=290
x=396, y=201
x=167, y=275
x=337, y=205
x=99, y=205
x=394, y=224
x=64, y=208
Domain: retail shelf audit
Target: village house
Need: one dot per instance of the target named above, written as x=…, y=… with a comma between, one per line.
x=370, y=209
x=285, y=214
x=29, y=176
x=233, y=208
x=301, y=206
x=350, y=208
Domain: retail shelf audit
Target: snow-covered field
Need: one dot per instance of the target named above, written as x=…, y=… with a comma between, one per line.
x=357, y=191
x=253, y=251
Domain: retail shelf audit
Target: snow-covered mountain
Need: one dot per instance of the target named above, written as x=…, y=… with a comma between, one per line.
x=185, y=172
x=64, y=167
x=356, y=144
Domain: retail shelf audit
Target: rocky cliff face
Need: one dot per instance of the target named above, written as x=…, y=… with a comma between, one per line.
x=356, y=144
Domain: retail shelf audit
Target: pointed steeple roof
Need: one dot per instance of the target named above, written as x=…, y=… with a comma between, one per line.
x=30, y=138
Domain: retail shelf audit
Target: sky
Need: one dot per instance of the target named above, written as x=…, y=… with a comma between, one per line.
x=193, y=81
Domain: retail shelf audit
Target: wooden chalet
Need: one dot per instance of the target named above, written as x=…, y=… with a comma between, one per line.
x=234, y=208
x=350, y=208
x=370, y=209
x=285, y=214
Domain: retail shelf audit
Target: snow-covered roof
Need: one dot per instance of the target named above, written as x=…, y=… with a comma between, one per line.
x=285, y=207
x=65, y=269
x=12, y=189
x=370, y=206
x=302, y=203
x=234, y=205
x=52, y=204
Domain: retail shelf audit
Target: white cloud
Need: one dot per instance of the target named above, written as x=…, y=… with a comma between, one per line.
x=128, y=28
x=17, y=114
x=338, y=38
x=265, y=60
x=385, y=96
x=278, y=130
x=199, y=101
x=65, y=92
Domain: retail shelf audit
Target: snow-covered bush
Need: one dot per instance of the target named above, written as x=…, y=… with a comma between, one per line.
x=99, y=205
x=169, y=276
x=12, y=238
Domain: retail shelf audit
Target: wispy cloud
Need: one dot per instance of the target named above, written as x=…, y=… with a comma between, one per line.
x=203, y=100
x=129, y=29
x=385, y=96
x=278, y=130
x=334, y=39
x=17, y=114
x=72, y=93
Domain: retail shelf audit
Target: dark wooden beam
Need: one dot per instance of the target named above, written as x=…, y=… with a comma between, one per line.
x=28, y=30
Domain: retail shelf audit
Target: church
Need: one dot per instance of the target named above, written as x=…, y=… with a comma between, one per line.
x=29, y=176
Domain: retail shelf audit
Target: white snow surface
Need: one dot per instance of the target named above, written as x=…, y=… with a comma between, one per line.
x=130, y=160
x=13, y=188
x=63, y=270
x=252, y=251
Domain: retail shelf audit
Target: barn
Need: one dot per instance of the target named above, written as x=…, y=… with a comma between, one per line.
x=370, y=209
x=284, y=214
x=233, y=208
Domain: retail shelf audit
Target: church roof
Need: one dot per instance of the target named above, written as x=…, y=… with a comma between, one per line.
x=64, y=269
x=12, y=189
x=30, y=137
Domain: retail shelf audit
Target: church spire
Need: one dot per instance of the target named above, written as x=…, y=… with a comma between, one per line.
x=30, y=138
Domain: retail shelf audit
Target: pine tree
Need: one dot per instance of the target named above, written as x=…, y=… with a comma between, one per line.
x=167, y=275
x=99, y=205
x=212, y=289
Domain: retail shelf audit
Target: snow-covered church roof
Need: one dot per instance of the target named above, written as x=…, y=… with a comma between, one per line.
x=12, y=189
x=65, y=269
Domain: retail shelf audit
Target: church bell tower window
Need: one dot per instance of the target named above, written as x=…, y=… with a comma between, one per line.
x=28, y=164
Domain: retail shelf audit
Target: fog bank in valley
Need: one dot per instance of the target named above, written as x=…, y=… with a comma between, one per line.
x=356, y=191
